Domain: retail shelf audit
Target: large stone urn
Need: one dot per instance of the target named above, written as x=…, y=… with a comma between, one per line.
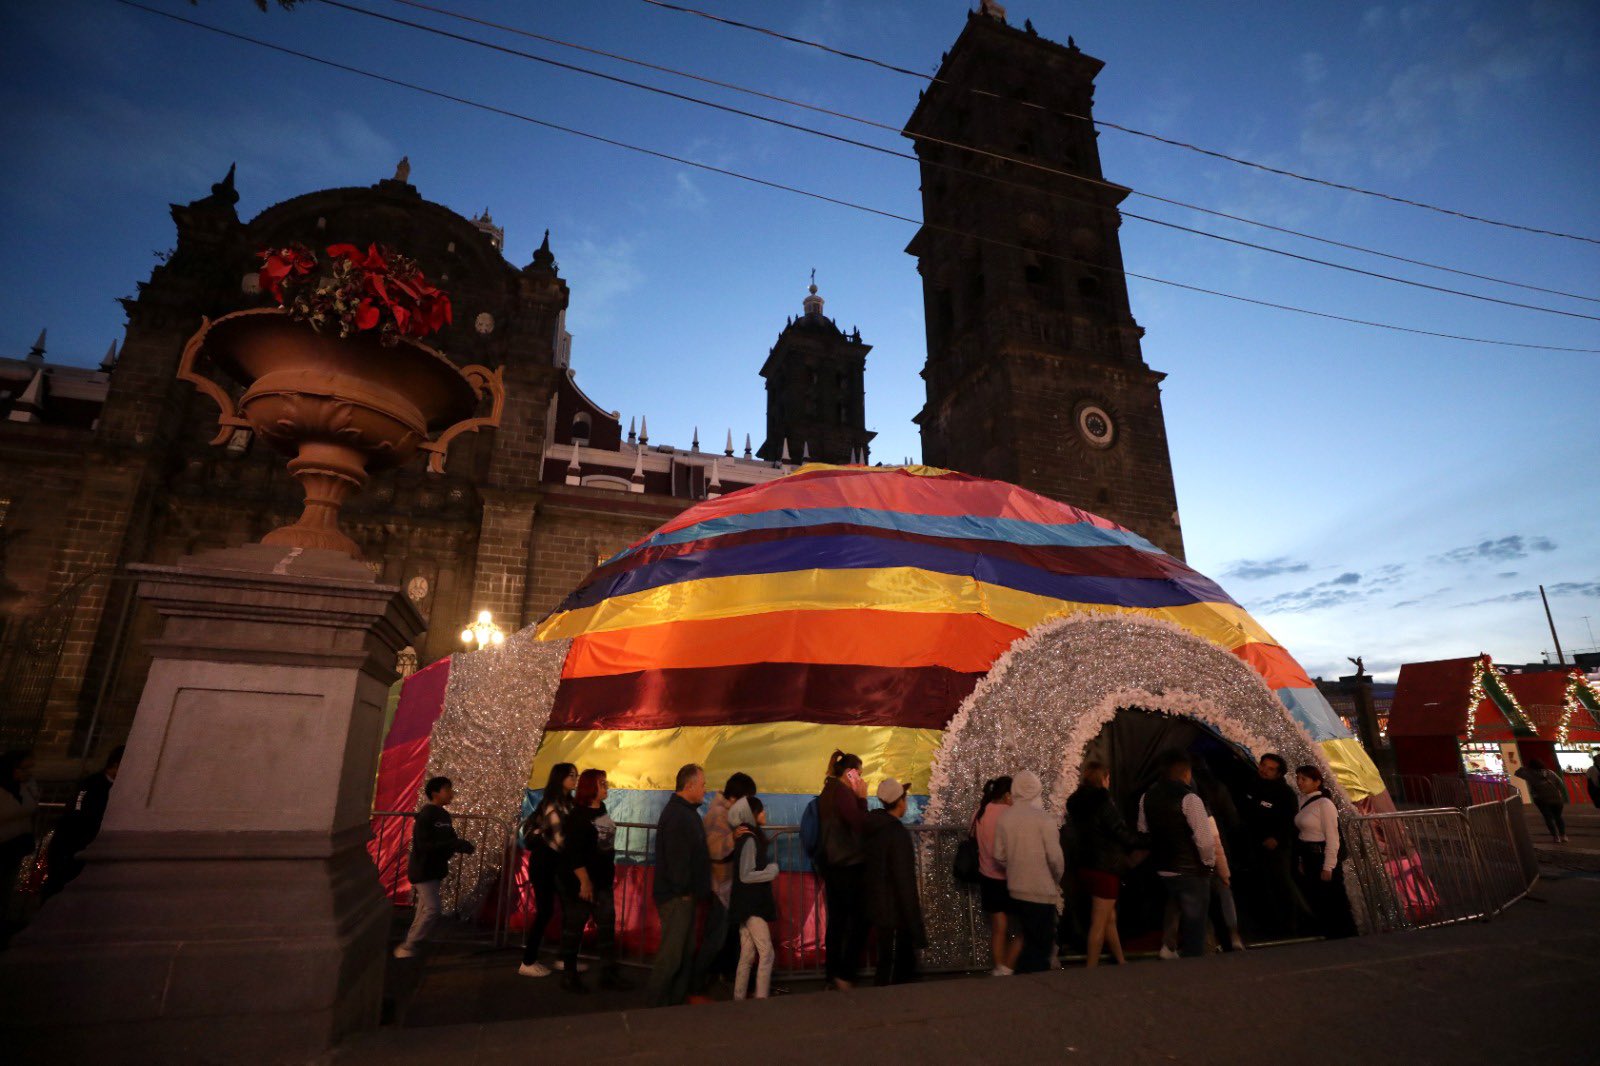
x=340, y=408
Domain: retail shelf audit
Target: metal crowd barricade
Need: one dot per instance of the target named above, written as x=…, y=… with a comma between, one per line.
x=958, y=933
x=1418, y=869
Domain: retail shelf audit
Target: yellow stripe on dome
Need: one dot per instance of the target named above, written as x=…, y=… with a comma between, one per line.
x=787, y=757
x=900, y=588
x=915, y=469
x=1354, y=768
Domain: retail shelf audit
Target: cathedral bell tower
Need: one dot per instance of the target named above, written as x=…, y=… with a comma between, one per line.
x=816, y=396
x=1034, y=373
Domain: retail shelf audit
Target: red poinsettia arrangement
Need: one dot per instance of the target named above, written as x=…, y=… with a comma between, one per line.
x=354, y=291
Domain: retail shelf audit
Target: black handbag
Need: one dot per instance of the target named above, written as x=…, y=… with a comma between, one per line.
x=965, y=867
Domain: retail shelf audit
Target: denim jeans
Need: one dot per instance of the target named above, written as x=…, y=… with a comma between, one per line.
x=1193, y=897
x=425, y=894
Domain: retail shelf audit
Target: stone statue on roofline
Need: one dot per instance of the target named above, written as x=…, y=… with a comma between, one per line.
x=402, y=170
x=1356, y=661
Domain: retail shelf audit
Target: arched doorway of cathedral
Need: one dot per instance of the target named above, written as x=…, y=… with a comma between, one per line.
x=1126, y=690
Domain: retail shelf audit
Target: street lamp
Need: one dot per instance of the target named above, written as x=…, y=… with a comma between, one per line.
x=483, y=632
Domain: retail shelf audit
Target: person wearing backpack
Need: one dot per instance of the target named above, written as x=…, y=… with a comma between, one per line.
x=542, y=834
x=1549, y=794
x=1317, y=854
x=842, y=814
x=1004, y=943
x=751, y=908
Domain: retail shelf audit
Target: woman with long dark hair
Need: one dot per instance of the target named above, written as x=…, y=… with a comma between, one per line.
x=1316, y=855
x=842, y=808
x=588, y=873
x=992, y=895
x=543, y=833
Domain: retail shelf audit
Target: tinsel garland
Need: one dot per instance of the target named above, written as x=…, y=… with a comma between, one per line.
x=1052, y=693
x=495, y=708
x=1577, y=686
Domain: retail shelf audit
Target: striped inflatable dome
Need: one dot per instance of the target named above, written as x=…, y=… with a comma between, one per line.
x=853, y=608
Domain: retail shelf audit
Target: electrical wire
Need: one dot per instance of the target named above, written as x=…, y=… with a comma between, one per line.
x=935, y=79
x=897, y=154
x=875, y=124
x=821, y=197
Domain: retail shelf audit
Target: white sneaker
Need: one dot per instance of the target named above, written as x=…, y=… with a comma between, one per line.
x=533, y=969
x=561, y=966
x=1168, y=953
x=403, y=952
x=1001, y=971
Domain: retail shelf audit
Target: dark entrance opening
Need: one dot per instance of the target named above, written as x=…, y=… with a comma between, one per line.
x=1134, y=745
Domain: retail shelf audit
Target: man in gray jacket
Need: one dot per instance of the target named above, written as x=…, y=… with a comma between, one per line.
x=1027, y=841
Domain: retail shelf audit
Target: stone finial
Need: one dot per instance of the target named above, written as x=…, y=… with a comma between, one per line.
x=714, y=486
x=784, y=458
x=544, y=260
x=747, y=452
x=694, y=442
x=638, y=472
x=30, y=405
x=575, y=466
x=109, y=363
x=36, y=353
x=805, y=452
x=402, y=170
x=812, y=303
x=644, y=431
x=728, y=448
x=633, y=435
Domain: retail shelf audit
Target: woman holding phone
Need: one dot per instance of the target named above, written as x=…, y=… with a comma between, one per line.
x=842, y=807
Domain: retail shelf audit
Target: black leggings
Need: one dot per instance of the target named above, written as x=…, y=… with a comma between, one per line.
x=847, y=921
x=1555, y=818
x=542, y=876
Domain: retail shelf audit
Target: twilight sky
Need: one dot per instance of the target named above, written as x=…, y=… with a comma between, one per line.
x=1360, y=491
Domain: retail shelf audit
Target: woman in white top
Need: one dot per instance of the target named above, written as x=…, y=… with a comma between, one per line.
x=1316, y=854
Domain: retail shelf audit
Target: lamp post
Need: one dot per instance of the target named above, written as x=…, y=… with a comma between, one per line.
x=483, y=632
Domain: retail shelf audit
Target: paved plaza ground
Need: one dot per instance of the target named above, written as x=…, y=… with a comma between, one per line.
x=1521, y=987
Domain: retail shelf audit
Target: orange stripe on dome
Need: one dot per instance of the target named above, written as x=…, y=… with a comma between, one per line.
x=965, y=643
x=1275, y=665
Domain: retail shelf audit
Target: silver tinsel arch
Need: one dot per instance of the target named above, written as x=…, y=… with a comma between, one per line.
x=1048, y=698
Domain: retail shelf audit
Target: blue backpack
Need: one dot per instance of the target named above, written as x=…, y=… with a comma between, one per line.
x=811, y=830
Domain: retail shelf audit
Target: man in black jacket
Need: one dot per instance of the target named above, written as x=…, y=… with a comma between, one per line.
x=890, y=878
x=683, y=877
x=1267, y=814
x=433, y=844
x=79, y=826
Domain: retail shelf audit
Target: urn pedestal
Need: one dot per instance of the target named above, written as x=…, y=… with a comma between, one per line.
x=229, y=911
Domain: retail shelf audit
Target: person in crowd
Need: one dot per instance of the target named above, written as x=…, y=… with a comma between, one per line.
x=715, y=938
x=588, y=874
x=79, y=826
x=1184, y=848
x=842, y=808
x=543, y=832
x=1592, y=778
x=433, y=844
x=683, y=878
x=19, y=796
x=751, y=907
x=1268, y=833
x=893, y=904
x=1104, y=849
x=1224, y=913
x=1004, y=943
x=1317, y=855
x=1028, y=843
x=1549, y=794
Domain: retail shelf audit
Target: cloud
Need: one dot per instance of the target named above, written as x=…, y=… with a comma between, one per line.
x=686, y=193
x=1504, y=549
x=1256, y=569
x=1348, y=578
x=1560, y=588
x=1335, y=592
x=1404, y=603
x=601, y=273
x=1507, y=573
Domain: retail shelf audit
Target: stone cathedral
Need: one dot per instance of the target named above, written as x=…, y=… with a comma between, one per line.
x=1034, y=375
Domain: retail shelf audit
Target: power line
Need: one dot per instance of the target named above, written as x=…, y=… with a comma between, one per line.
x=810, y=194
x=895, y=153
x=873, y=123
x=935, y=79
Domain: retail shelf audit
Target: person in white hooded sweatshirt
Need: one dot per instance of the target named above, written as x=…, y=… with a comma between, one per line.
x=1027, y=841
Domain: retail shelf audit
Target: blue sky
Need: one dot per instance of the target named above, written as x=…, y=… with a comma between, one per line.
x=1361, y=492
